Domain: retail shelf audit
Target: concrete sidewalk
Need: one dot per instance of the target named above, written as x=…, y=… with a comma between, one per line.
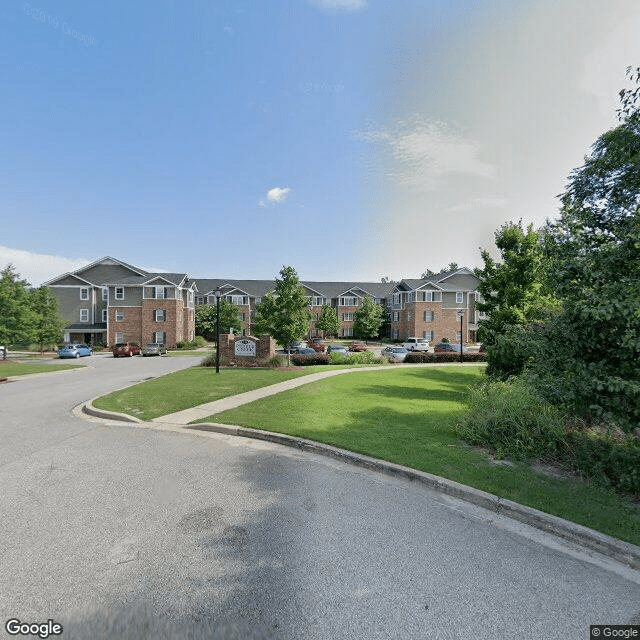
x=231, y=402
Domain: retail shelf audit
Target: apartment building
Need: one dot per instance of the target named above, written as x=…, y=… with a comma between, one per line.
x=110, y=301
x=431, y=307
x=345, y=297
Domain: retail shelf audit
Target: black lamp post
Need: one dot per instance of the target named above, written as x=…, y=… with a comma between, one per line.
x=218, y=294
x=460, y=313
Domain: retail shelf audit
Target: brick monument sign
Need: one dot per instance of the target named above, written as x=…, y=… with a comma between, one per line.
x=241, y=350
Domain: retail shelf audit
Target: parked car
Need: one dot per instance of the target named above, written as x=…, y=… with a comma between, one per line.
x=395, y=354
x=307, y=351
x=416, y=344
x=154, y=349
x=317, y=344
x=126, y=349
x=338, y=348
x=74, y=350
x=444, y=347
x=293, y=347
x=358, y=345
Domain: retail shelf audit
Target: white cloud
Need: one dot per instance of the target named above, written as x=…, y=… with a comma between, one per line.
x=278, y=194
x=424, y=152
x=341, y=5
x=37, y=268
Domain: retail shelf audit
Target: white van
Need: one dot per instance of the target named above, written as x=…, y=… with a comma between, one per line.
x=416, y=344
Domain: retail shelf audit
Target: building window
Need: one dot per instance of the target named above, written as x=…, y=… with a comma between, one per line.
x=119, y=315
x=239, y=300
x=190, y=296
x=159, y=315
x=119, y=337
x=348, y=332
x=428, y=335
x=396, y=316
x=347, y=317
x=318, y=302
x=377, y=300
x=119, y=293
x=429, y=315
x=84, y=293
x=396, y=299
x=104, y=315
x=159, y=293
x=459, y=297
x=432, y=296
x=199, y=300
x=457, y=336
x=160, y=337
x=105, y=293
x=191, y=316
x=84, y=315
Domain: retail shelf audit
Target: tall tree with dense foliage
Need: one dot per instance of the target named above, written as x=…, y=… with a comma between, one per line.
x=368, y=319
x=206, y=319
x=328, y=321
x=284, y=314
x=513, y=297
x=593, y=251
x=46, y=325
x=14, y=308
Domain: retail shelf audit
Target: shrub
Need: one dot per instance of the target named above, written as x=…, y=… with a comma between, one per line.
x=318, y=358
x=210, y=361
x=415, y=357
x=510, y=419
x=181, y=344
x=605, y=453
x=198, y=341
x=275, y=362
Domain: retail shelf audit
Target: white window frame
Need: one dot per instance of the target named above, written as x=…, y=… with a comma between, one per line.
x=348, y=317
x=239, y=301
x=159, y=334
x=159, y=315
x=458, y=337
x=396, y=316
x=119, y=337
x=158, y=293
x=318, y=301
x=353, y=301
x=119, y=294
x=428, y=335
x=459, y=297
x=200, y=300
x=84, y=293
x=84, y=315
x=119, y=315
x=104, y=315
x=347, y=332
x=429, y=315
x=105, y=293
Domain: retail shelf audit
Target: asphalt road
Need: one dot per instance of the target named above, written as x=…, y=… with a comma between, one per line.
x=117, y=531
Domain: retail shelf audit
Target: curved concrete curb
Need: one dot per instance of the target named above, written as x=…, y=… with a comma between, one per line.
x=623, y=552
x=90, y=410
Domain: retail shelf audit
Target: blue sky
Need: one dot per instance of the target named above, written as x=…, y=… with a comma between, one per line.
x=350, y=139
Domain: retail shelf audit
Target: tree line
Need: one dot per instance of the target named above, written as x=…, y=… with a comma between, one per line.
x=27, y=314
x=563, y=304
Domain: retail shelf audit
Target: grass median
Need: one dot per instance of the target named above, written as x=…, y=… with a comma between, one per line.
x=12, y=368
x=407, y=416
x=189, y=388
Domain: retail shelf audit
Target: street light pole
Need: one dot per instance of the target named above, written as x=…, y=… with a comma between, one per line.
x=460, y=315
x=218, y=294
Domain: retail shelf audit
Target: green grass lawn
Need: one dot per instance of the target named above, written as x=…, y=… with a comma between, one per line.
x=188, y=388
x=12, y=368
x=407, y=416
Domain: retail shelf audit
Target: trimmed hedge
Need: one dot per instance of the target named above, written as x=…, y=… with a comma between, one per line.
x=414, y=357
x=305, y=361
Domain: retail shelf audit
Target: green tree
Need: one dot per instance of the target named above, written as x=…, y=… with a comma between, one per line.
x=328, y=321
x=46, y=324
x=284, y=314
x=14, y=308
x=368, y=319
x=206, y=319
x=513, y=295
x=593, y=249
